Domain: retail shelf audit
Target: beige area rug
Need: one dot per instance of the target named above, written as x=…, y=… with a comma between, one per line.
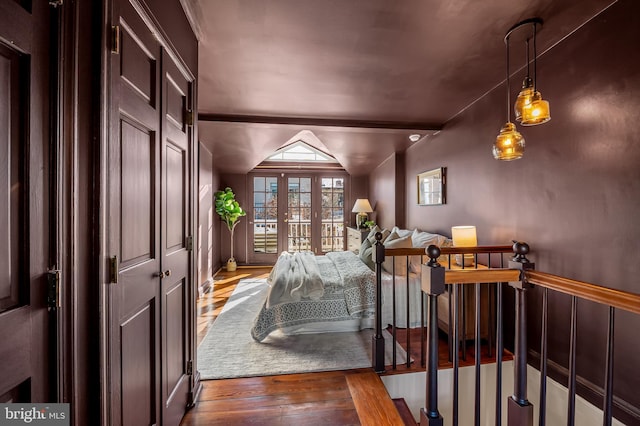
x=229, y=351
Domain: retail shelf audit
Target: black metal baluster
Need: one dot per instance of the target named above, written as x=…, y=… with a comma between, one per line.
x=499, y=350
x=408, y=318
x=450, y=322
x=571, y=409
x=456, y=349
x=543, y=360
x=477, y=356
x=608, y=378
x=395, y=328
x=423, y=332
x=490, y=317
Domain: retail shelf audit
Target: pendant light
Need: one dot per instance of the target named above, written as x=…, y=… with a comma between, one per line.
x=509, y=144
x=537, y=110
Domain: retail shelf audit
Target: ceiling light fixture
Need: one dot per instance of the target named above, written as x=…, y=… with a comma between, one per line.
x=509, y=144
x=415, y=137
x=530, y=108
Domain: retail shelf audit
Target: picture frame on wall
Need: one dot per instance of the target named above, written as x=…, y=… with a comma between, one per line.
x=432, y=187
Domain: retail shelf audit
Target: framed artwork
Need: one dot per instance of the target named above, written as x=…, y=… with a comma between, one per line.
x=431, y=187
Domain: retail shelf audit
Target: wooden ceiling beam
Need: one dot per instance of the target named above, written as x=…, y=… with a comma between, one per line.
x=321, y=122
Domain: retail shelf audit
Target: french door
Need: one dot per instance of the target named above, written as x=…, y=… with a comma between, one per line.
x=295, y=212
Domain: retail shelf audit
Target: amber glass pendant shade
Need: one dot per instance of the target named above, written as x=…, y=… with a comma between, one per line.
x=509, y=144
x=525, y=97
x=537, y=112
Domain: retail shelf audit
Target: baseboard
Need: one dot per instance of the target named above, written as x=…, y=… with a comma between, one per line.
x=622, y=410
x=204, y=287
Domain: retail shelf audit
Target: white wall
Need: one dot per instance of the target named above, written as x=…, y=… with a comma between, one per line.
x=412, y=388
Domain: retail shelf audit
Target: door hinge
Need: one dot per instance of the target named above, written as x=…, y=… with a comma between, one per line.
x=115, y=39
x=114, y=268
x=190, y=243
x=188, y=117
x=190, y=367
x=53, y=295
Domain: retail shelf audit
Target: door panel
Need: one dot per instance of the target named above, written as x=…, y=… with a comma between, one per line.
x=24, y=227
x=134, y=223
x=137, y=196
x=177, y=152
x=138, y=374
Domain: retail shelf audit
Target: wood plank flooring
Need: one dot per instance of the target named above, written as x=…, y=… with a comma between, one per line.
x=330, y=398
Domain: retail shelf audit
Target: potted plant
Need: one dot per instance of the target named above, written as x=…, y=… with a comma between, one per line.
x=230, y=212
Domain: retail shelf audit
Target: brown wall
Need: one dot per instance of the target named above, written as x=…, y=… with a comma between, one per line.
x=387, y=192
x=575, y=196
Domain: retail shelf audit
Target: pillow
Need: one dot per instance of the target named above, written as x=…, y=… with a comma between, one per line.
x=366, y=253
x=401, y=232
x=372, y=235
x=424, y=239
x=368, y=245
x=395, y=241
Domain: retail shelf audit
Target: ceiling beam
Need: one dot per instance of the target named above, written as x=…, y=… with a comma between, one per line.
x=321, y=122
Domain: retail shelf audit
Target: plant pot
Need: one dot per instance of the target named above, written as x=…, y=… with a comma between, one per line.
x=231, y=265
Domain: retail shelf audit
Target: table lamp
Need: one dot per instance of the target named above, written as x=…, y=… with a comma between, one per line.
x=464, y=236
x=361, y=207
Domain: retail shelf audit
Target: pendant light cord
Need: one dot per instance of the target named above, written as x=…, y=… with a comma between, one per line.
x=508, y=85
x=535, y=58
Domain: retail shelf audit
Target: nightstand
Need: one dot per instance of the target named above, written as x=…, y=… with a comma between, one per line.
x=355, y=238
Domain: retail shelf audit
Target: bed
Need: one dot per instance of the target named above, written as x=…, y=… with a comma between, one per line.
x=336, y=292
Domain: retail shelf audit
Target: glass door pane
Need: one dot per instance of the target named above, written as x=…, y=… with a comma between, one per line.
x=298, y=214
x=332, y=214
x=265, y=214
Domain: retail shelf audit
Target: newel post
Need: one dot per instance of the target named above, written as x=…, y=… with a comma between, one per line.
x=519, y=409
x=432, y=285
x=378, y=339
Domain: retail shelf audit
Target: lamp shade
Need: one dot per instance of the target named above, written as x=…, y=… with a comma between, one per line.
x=362, y=205
x=525, y=97
x=464, y=236
x=536, y=112
x=509, y=144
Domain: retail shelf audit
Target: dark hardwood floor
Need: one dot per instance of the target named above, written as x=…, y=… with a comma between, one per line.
x=329, y=398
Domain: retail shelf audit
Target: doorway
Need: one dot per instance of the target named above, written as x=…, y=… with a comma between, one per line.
x=295, y=212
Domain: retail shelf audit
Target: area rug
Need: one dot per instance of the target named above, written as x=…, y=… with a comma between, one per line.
x=229, y=351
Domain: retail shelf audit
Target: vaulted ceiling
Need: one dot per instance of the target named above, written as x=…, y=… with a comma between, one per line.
x=362, y=75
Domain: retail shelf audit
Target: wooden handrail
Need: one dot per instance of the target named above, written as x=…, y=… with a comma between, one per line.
x=421, y=251
x=477, y=249
x=470, y=276
x=603, y=295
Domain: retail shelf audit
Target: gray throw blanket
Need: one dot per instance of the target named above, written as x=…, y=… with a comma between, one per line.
x=293, y=277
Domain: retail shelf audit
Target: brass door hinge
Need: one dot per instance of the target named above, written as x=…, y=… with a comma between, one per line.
x=53, y=295
x=115, y=39
x=188, y=117
x=114, y=269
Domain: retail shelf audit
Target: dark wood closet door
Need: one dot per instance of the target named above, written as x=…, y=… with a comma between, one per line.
x=24, y=225
x=175, y=235
x=134, y=223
